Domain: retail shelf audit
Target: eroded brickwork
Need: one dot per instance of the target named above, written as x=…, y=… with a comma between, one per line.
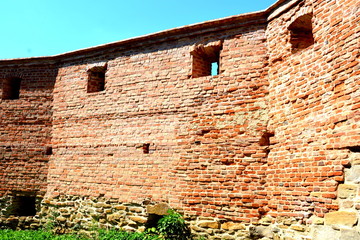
x=267, y=147
x=26, y=125
x=313, y=107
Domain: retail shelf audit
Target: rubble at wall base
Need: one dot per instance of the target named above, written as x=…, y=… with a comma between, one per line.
x=69, y=214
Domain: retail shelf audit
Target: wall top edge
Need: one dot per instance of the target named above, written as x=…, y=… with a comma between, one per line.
x=211, y=25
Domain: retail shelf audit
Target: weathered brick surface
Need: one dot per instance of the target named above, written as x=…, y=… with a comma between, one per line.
x=313, y=107
x=203, y=132
x=272, y=134
x=25, y=128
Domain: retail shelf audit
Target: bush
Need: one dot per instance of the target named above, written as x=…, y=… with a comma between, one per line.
x=173, y=227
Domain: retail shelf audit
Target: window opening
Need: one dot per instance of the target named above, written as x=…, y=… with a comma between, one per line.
x=23, y=206
x=301, y=35
x=214, y=68
x=355, y=149
x=266, y=142
x=206, y=60
x=48, y=151
x=146, y=148
x=96, y=79
x=11, y=88
x=265, y=138
x=152, y=220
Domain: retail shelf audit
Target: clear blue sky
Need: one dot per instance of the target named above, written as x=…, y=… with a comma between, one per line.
x=47, y=27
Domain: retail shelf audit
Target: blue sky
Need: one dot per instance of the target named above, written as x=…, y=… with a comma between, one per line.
x=47, y=27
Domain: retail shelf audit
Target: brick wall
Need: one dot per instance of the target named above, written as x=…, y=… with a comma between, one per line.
x=272, y=140
x=313, y=107
x=25, y=128
x=197, y=127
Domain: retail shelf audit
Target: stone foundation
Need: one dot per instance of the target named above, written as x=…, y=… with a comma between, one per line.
x=66, y=214
x=8, y=219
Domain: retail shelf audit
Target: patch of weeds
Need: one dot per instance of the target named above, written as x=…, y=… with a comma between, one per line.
x=173, y=226
x=38, y=235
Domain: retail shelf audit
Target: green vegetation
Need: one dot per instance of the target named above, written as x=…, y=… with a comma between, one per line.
x=103, y=235
x=173, y=227
x=169, y=227
x=32, y=235
x=121, y=235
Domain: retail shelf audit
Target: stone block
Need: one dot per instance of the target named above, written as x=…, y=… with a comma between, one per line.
x=138, y=219
x=120, y=207
x=158, y=209
x=34, y=226
x=102, y=205
x=261, y=232
x=353, y=174
x=299, y=228
x=266, y=221
x=61, y=219
x=349, y=234
x=227, y=237
x=345, y=218
x=129, y=229
x=316, y=220
x=114, y=217
x=233, y=226
x=136, y=209
x=209, y=224
x=347, y=191
x=325, y=233
x=346, y=204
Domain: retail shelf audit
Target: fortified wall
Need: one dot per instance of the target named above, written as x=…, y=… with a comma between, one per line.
x=249, y=125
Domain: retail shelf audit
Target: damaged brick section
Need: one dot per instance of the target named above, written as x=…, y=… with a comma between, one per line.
x=266, y=146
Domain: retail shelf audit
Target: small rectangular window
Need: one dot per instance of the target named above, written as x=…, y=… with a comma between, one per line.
x=22, y=205
x=96, y=79
x=48, y=151
x=11, y=88
x=146, y=148
x=206, y=61
x=301, y=35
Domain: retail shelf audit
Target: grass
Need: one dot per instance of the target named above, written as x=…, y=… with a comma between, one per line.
x=169, y=227
x=102, y=235
x=35, y=235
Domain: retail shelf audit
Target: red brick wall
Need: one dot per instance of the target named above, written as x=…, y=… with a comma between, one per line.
x=221, y=164
x=25, y=128
x=314, y=111
x=270, y=134
x=150, y=97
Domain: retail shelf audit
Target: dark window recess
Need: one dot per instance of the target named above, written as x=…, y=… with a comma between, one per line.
x=301, y=35
x=96, y=79
x=11, y=88
x=265, y=142
x=48, y=151
x=206, y=61
x=153, y=220
x=265, y=139
x=354, y=149
x=23, y=206
x=146, y=148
